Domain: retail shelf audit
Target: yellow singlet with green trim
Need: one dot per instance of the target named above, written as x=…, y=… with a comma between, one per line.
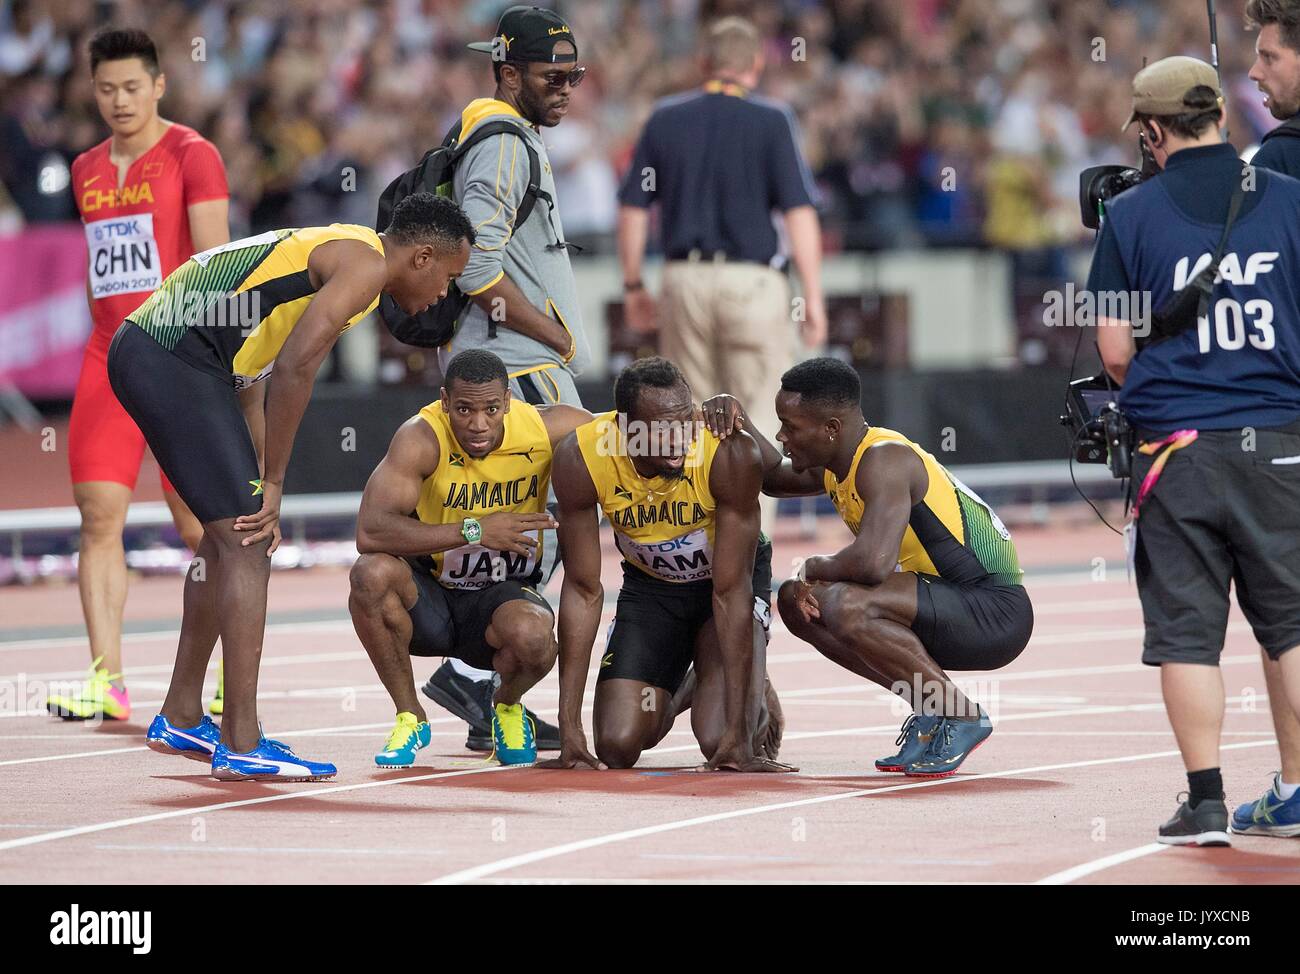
x=514, y=478
x=230, y=309
x=663, y=526
x=950, y=532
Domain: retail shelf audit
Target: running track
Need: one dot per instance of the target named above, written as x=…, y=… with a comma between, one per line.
x=1081, y=769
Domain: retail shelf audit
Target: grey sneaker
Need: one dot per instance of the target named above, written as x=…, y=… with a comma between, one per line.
x=1204, y=825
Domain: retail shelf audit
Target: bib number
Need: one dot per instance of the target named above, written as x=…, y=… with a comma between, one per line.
x=472, y=566
x=123, y=256
x=687, y=558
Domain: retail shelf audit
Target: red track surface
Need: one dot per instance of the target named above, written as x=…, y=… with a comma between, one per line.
x=1082, y=767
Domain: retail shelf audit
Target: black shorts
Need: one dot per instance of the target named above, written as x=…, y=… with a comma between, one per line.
x=192, y=422
x=1220, y=514
x=656, y=623
x=974, y=626
x=452, y=622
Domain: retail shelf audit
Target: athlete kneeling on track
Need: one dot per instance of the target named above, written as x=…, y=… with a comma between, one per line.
x=697, y=576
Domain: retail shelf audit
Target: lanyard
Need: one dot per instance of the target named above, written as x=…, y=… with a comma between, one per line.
x=1174, y=441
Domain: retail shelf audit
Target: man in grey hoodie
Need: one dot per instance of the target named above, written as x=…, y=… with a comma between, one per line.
x=523, y=298
x=524, y=301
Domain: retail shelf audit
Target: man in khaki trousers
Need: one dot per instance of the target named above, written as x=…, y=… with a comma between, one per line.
x=720, y=162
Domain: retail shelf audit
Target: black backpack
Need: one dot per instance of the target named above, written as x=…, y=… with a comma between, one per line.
x=437, y=325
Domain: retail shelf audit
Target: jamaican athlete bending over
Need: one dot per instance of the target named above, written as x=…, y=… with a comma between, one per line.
x=216, y=368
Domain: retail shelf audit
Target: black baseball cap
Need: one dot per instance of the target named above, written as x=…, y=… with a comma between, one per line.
x=530, y=34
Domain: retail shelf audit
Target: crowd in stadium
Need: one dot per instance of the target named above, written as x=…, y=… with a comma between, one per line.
x=925, y=122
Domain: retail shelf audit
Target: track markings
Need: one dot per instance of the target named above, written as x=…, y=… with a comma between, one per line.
x=1097, y=865
x=308, y=793
x=314, y=792
x=484, y=870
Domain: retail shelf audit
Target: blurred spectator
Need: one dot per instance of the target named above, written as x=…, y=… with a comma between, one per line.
x=34, y=165
x=316, y=104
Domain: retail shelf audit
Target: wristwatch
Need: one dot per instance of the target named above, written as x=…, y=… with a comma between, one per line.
x=471, y=530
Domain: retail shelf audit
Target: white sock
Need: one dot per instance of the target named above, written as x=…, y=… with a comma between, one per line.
x=464, y=669
x=1284, y=790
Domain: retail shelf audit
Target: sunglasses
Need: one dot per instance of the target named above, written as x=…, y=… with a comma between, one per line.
x=556, y=80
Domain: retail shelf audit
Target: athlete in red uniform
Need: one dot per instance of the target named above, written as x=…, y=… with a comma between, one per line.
x=150, y=195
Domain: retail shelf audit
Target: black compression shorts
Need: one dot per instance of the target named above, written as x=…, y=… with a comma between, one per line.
x=192, y=422
x=656, y=623
x=972, y=626
x=453, y=622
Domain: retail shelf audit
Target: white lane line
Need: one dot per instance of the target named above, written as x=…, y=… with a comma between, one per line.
x=889, y=700
x=307, y=732
x=1124, y=733
x=158, y=635
x=1004, y=718
x=331, y=732
x=863, y=687
x=263, y=850
x=609, y=881
x=1086, y=606
x=1066, y=579
x=1097, y=865
x=302, y=693
x=514, y=862
x=300, y=659
x=74, y=754
x=1105, y=635
x=797, y=861
x=997, y=677
x=122, y=823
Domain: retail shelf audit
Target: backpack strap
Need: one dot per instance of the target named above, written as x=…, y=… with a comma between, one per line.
x=533, y=191
x=1290, y=127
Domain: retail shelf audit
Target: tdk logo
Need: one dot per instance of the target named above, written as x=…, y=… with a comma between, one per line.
x=1230, y=268
x=73, y=927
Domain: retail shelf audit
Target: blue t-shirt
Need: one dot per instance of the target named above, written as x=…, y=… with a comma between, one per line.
x=1241, y=366
x=718, y=164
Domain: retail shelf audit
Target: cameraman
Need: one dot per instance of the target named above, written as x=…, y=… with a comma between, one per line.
x=1216, y=409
